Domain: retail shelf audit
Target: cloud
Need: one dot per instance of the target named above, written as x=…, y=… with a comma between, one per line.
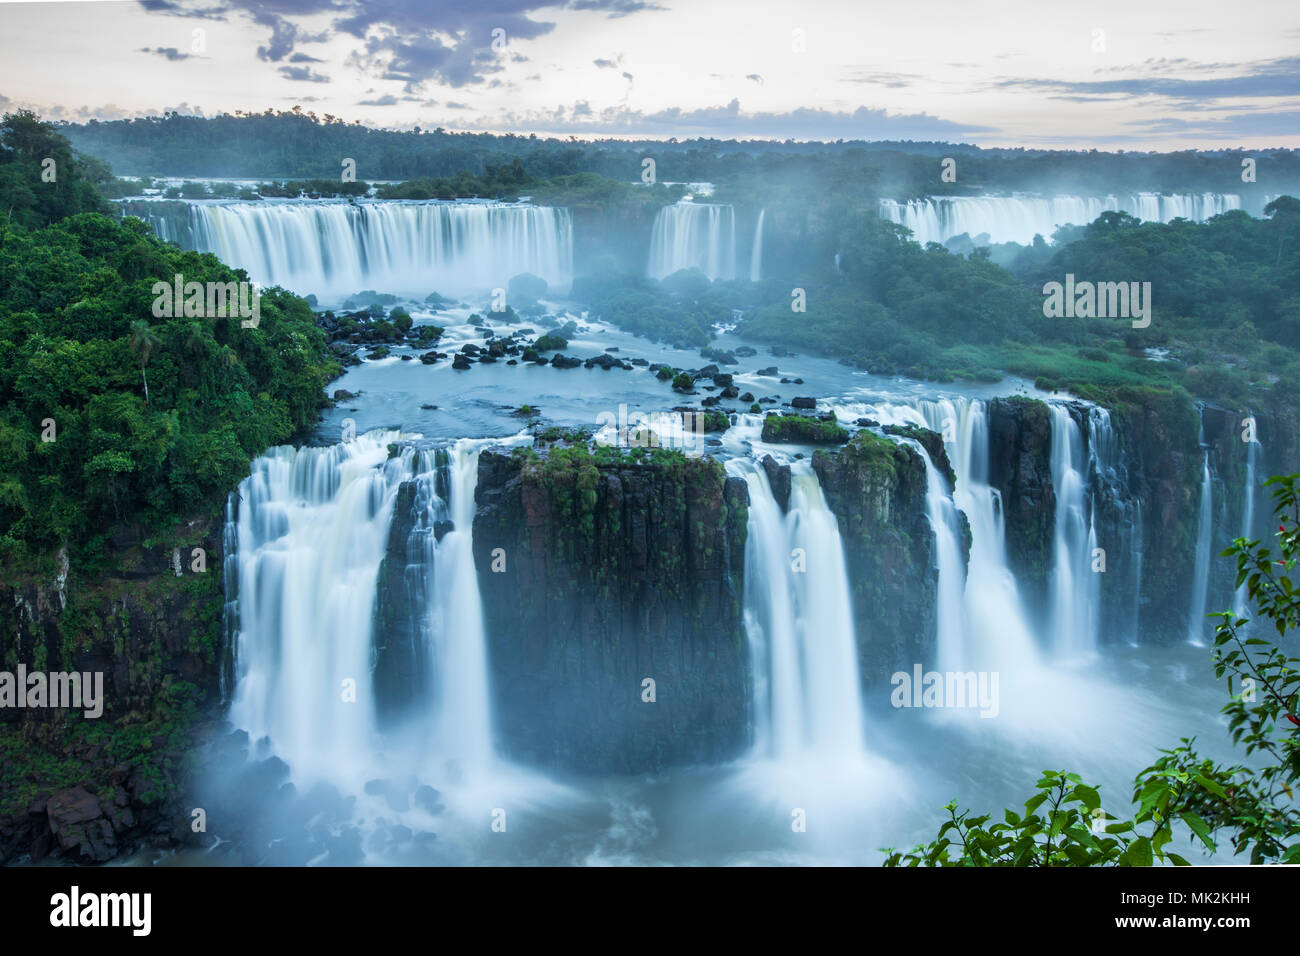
x=304, y=58
x=754, y=78
x=609, y=64
x=419, y=59
x=879, y=78
x=451, y=42
x=386, y=100
x=303, y=74
x=1270, y=78
x=614, y=8
x=168, y=51
x=167, y=8
x=1238, y=123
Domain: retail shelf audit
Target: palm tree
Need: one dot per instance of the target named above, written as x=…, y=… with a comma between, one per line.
x=142, y=343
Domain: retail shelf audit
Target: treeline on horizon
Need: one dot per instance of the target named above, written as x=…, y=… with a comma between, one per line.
x=298, y=144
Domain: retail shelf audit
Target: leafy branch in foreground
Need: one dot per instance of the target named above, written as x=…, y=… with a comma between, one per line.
x=1251, y=807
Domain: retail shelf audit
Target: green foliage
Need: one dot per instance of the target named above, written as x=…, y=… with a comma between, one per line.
x=311, y=188
x=716, y=421
x=26, y=198
x=550, y=343
x=803, y=430
x=152, y=416
x=161, y=747
x=681, y=311
x=1225, y=297
x=1249, y=806
x=1055, y=829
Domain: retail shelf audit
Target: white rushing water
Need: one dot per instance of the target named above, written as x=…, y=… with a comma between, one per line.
x=461, y=708
x=1201, y=574
x=756, y=255
x=1108, y=475
x=1241, y=601
x=312, y=529
x=950, y=603
x=691, y=235
x=311, y=526
x=1074, y=595
x=1020, y=218
x=995, y=631
x=336, y=249
x=799, y=619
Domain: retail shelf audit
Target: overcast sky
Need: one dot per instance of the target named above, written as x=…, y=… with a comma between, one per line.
x=1140, y=74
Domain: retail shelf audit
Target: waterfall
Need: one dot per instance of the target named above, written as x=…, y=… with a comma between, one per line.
x=691, y=235
x=1073, y=590
x=1135, y=556
x=451, y=612
x=1201, y=574
x=1241, y=601
x=312, y=527
x=1020, y=218
x=756, y=255
x=950, y=609
x=799, y=622
x=336, y=249
x=995, y=630
x=982, y=623
x=312, y=530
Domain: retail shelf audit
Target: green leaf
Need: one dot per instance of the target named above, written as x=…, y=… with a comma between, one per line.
x=1138, y=853
x=1199, y=827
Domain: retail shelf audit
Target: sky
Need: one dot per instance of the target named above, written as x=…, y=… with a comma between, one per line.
x=1136, y=75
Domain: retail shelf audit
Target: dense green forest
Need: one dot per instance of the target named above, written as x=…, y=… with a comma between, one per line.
x=1225, y=294
x=298, y=144
x=107, y=413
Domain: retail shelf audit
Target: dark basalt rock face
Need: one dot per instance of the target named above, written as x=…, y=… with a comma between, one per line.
x=150, y=622
x=877, y=490
x=614, y=574
x=1020, y=467
x=1146, y=507
x=401, y=659
x=597, y=576
x=778, y=477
